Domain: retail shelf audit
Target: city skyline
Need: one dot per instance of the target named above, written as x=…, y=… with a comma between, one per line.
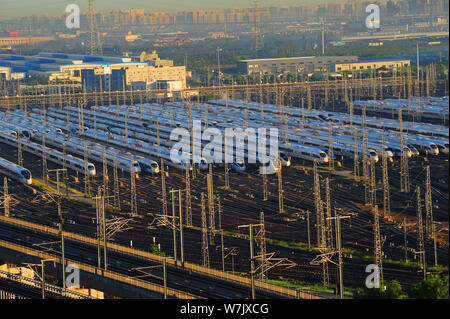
x=57, y=7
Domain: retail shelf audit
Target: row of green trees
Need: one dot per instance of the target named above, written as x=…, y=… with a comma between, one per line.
x=433, y=287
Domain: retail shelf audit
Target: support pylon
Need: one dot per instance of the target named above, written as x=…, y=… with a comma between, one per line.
x=6, y=197
x=116, y=184
x=421, y=247
x=87, y=179
x=428, y=205
x=188, y=197
x=44, y=160
x=133, y=201
x=404, y=170
x=386, y=192
x=260, y=238
x=211, y=206
x=205, y=248
x=163, y=190
x=378, y=243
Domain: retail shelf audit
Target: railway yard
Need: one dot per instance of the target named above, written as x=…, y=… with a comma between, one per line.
x=297, y=201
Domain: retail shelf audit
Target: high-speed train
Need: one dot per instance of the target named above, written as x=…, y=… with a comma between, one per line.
x=76, y=146
x=309, y=153
x=15, y=172
x=52, y=155
x=112, y=120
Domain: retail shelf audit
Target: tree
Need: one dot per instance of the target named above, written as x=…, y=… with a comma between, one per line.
x=433, y=287
x=392, y=290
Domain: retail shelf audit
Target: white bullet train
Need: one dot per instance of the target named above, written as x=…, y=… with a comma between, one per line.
x=15, y=172
x=76, y=146
x=52, y=155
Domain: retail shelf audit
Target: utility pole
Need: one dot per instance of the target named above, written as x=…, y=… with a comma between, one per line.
x=44, y=160
x=116, y=184
x=405, y=239
x=133, y=200
x=172, y=192
x=428, y=204
x=365, y=159
x=205, y=250
x=386, y=192
x=330, y=146
x=6, y=196
x=219, y=209
x=163, y=189
x=63, y=260
x=57, y=177
x=165, y=278
x=421, y=247
x=19, y=150
x=97, y=222
x=218, y=50
x=378, y=242
x=280, y=188
x=404, y=170
x=252, y=261
x=105, y=176
x=356, y=157
x=265, y=184
x=318, y=206
x=433, y=229
x=103, y=214
x=337, y=219
x=329, y=229
x=43, y=261
x=64, y=166
x=226, y=170
x=309, y=230
x=372, y=188
x=87, y=185
x=211, y=204
x=181, y=228
x=188, y=198
x=261, y=241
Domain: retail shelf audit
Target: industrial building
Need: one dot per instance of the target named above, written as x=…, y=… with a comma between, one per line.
x=5, y=74
x=291, y=65
x=132, y=76
x=368, y=65
x=100, y=73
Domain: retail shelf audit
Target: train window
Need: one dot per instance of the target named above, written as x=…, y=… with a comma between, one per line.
x=323, y=155
x=26, y=174
x=91, y=167
x=154, y=165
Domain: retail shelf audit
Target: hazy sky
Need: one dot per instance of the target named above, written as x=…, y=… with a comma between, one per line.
x=10, y=8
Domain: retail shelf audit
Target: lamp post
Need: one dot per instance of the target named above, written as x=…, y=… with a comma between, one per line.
x=218, y=50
